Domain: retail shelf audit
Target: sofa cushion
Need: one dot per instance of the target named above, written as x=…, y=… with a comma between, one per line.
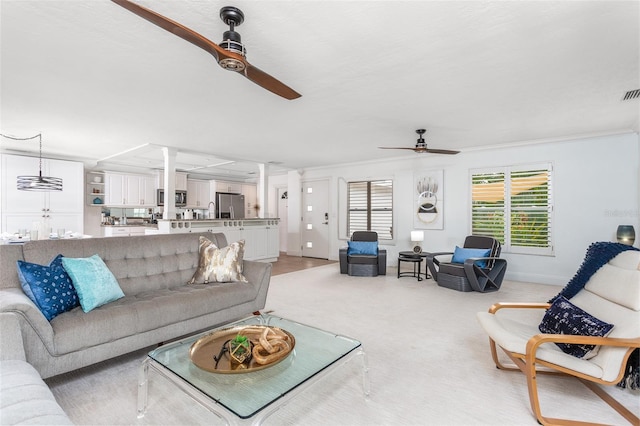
x=362, y=247
x=563, y=317
x=456, y=269
x=461, y=254
x=143, y=312
x=363, y=259
x=94, y=282
x=49, y=287
x=219, y=264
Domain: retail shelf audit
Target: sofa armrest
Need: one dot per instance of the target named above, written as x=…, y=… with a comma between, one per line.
x=259, y=275
x=342, y=256
x=382, y=261
x=11, y=344
x=15, y=302
x=26, y=398
x=433, y=262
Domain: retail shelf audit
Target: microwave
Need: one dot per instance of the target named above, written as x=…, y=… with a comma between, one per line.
x=181, y=197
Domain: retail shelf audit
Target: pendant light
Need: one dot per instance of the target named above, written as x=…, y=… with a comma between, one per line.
x=37, y=183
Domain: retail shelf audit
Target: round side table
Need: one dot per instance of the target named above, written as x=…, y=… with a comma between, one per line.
x=405, y=255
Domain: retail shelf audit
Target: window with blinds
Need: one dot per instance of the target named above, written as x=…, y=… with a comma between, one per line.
x=514, y=205
x=370, y=207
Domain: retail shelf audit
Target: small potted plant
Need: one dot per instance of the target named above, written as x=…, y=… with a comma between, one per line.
x=240, y=350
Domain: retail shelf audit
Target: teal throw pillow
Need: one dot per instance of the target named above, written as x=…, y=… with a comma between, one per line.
x=362, y=247
x=49, y=287
x=94, y=282
x=462, y=254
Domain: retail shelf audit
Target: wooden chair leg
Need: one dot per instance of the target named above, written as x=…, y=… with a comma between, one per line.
x=494, y=355
x=530, y=371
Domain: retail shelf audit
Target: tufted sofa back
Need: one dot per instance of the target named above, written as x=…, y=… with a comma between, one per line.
x=139, y=263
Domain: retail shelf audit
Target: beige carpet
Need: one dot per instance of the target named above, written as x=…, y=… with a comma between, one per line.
x=429, y=363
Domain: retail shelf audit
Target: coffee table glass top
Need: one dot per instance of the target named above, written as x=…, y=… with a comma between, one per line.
x=248, y=393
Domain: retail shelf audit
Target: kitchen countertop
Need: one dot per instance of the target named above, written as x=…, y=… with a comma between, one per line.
x=254, y=219
x=129, y=225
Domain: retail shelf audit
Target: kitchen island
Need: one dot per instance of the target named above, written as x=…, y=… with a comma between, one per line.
x=261, y=235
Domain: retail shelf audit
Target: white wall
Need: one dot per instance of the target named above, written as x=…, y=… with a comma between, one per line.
x=596, y=184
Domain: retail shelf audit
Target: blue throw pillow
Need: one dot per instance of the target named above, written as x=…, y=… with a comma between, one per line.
x=362, y=247
x=462, y=254
x=49, y=287
x=94, y=282
x=563, y=317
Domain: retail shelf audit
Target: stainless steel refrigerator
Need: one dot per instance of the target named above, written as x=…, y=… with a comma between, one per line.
x=229, y=206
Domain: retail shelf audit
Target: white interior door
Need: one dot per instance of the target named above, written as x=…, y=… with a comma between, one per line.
x=315, y=219
x=283, y=205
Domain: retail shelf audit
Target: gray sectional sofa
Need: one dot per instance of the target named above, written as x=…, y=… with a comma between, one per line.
x=159, y=305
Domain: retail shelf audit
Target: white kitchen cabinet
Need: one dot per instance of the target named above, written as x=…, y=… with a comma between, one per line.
x=57, y=209
x=198, y=194
x=140, y=190
x=148, y=191
x=273, y=241
x=250, y=193
x=132, y=190
x=180, y=180
x=129, y=190
x=123, y=231
x=261, y=235
x=224, y=186
x=114, y=189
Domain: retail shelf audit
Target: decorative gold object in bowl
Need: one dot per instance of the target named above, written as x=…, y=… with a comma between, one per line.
x=270, y=345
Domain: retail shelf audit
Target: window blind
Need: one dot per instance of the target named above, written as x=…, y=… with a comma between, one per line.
x=370, y=207
x=514, y=205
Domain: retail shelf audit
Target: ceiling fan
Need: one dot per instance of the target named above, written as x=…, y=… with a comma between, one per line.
x=421, y=146
x=230, y=53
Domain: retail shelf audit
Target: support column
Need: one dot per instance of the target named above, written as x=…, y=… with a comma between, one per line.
x=169, y=182
x=263, y=189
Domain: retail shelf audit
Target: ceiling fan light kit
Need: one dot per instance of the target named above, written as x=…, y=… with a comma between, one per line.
x=230, y=53
x=231, y=40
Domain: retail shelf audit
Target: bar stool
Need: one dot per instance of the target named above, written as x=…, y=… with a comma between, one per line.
x=417, y=266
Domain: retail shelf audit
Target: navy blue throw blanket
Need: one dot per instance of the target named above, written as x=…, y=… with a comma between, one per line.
x=598, y=254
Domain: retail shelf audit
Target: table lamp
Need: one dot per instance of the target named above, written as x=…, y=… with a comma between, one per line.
x=626, y=234
x=417, y=237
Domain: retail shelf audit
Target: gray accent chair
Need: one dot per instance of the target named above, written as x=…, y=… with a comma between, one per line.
x=468, y=276
x=363, y=265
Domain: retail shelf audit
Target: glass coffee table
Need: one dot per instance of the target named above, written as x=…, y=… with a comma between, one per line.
x=253, y=396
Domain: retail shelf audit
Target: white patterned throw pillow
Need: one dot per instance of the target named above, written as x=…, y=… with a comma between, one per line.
x=219, y=264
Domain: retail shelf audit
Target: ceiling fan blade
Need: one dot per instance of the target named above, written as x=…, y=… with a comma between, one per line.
x=272, y=84
x=396, y=147
x=251, y=72
x=175, y=28
x=441, y=151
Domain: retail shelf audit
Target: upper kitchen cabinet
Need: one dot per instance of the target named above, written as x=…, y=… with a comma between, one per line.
x=129, y=190
x=180, y=180
x=25, y=207
x=199, y=194
x=224, y=186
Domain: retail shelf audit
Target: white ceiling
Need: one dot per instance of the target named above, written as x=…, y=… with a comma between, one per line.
x=109, y=88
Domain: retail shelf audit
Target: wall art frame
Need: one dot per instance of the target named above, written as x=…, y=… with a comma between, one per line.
x=428, y=200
